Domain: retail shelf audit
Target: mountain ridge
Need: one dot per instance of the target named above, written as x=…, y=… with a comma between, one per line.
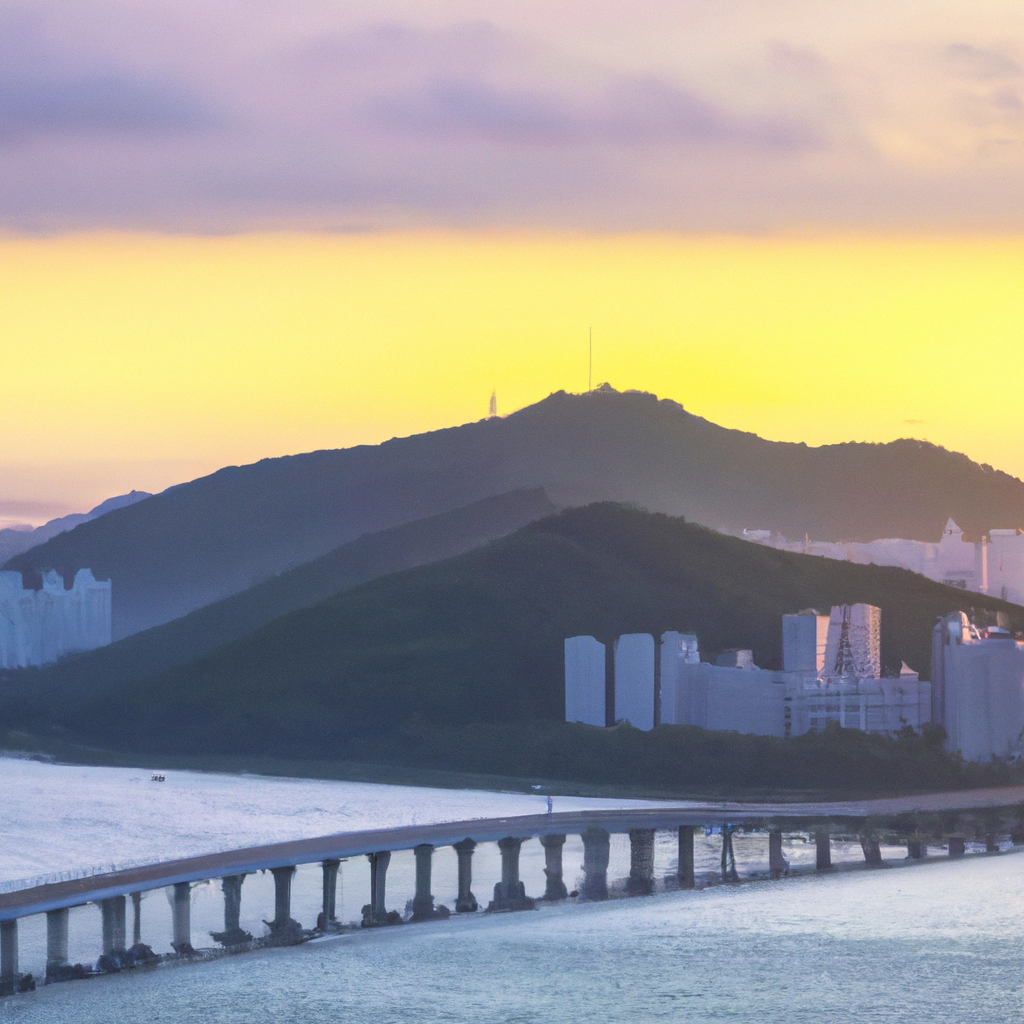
x=202, y=541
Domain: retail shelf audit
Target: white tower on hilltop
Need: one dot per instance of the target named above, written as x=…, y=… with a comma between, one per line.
x=492, y=409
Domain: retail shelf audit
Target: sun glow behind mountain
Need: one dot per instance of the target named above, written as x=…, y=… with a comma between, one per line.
x=137, y=360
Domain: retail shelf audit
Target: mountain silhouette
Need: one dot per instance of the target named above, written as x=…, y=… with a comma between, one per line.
x=202, y=541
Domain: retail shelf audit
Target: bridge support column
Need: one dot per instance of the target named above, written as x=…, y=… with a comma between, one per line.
x=596, y=848
x=776, y=862
x=956, y=846
x=823, y=850
x=685, y=868
x=915, y=849
x=136, y=919
x=328, y=921
x=510, y=893
x=729, y=873
x=56, y=942
x=466, y=901
x=872, y=851
x=423, y=900
x=9, y=976
x=283, y=930
x=375, y=913
x=991, y=843
x=231, y=886
x=113, y=912
x=555, y=887
x=641, y=861
x=181, y=918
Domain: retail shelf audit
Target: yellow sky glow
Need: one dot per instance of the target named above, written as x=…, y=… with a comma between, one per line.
x=137, y=361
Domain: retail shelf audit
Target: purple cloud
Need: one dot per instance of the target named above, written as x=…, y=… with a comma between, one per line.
x=181, y=115
x=628, y=112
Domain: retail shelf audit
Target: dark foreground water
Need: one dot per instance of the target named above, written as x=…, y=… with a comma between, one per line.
x=935, y=942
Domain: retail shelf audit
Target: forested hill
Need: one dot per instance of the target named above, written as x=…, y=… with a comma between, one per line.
x=202, y=541
x=183, y=640
x=477, y=639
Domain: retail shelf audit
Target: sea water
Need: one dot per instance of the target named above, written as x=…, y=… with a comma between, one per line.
x=934, y=941
x=937, y=941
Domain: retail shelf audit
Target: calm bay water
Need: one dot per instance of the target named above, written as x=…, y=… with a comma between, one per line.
x=938, y=941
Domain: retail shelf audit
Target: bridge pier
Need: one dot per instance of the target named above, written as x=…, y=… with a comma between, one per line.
x=872, y=851
x=465, y=903
x=231, y=886
x=729, y=873
x=956, y=846
x=641, y=861
x=181, y=919
x=915, y=849
x=555, y=886
x=136, y=919
x=114, y=928
x=56, y=942
x=510, y=893
x=596, y=850
x=823, y=850
x=9, y=976
x=991, y=843
x=685, y=868
x=283, y=930
x=328, y=921
x=423, y=908
x=777, y=865
x=375, y=913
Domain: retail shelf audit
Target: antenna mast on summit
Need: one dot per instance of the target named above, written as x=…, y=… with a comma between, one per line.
x=590, y=363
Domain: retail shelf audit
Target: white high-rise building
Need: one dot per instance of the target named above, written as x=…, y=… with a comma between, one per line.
x=1005, y=565
x=677, y=649
x=585, y=680
x=634, y=680
x=853, y=647
x=39, y=626
x=804, y=637
x=978, y=689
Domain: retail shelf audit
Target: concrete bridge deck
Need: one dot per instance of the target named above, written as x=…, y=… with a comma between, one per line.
x=58, y=895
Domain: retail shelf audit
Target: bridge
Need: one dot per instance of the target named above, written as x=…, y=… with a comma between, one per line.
x=950, y=818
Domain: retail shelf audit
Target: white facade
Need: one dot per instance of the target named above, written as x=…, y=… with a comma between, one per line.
x=39, y=626
x=804, y=637
x=871, y=705
x=853, y=644
x=744, y=700
x=677, y=649
x=1005, y=565
x=634, y=680
x=953, y=561
x=978, y=689
x=584, y=680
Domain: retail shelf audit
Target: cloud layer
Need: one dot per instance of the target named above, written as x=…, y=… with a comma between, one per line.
x=169, y=115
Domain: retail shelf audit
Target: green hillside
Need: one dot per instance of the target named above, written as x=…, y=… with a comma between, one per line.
x=459, y=663
x=376, y=554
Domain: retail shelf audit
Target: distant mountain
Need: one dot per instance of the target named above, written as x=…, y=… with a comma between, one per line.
x=13, y=542
x=418, y=543
x=476, y=640
x=205, y=540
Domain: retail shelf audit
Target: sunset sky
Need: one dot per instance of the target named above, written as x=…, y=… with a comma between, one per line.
x=237, y=230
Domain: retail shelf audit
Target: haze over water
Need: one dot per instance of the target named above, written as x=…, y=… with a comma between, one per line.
x=940, y=941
